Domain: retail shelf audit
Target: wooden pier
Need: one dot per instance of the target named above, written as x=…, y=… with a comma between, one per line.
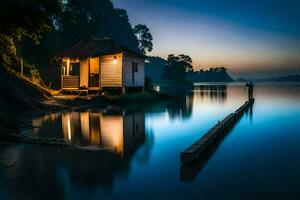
x=192, y=153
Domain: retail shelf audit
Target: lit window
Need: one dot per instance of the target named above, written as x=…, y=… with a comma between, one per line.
x=115, y=60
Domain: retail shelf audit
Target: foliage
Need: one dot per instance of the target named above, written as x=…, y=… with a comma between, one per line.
x=7, y=50
x=122, y=13
x=30, y=19
x=35, y=76
x=40, y=29
x=144, y=38
x=186, y=61
x=91, y=19
x=214, y=74
x=218, y=69
x=31, y=72
x=177, y=66
x=97, y=18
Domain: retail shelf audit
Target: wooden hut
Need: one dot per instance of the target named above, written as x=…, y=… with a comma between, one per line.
x=101, y=63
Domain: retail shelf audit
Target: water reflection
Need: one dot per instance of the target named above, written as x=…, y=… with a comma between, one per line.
x=120, y=132
x=114, y=130
x=136, y=164
x=249, y=112
x=212, y=93
x=182, y=108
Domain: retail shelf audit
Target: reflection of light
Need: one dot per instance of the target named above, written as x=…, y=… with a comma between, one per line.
x=69, y=128
x=68, y=67
x=117, y=140
x=115, y=60
x=112, y=132
x=85, y=125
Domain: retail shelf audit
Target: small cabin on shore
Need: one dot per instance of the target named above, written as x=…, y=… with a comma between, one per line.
x=96, y=64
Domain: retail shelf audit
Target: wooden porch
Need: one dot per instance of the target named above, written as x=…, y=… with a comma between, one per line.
x=70, y=82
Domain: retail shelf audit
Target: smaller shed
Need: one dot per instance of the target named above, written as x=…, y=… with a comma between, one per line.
x=101, y=63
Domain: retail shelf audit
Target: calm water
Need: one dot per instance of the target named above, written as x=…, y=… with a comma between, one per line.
x=258, y=159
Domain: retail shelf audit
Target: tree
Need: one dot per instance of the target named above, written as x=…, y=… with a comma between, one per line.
x=21, y=19
x=144, y=38
x=186, y=61
x=177, y=66
x=122, y=13
x=90, y=19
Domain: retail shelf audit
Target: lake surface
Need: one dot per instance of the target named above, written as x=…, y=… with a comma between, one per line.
x=139, y=158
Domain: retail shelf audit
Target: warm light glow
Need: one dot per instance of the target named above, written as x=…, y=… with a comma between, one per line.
x=115, y=60
x=85, y=125
x=112, y=132
x=68, y=67
x=94, y=65
x=69, y=129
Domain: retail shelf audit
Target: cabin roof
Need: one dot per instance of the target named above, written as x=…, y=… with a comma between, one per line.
x=96, y=47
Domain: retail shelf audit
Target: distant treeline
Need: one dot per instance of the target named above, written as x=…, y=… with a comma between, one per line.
x=179, y=69
x=287, y=78
x=217, y=74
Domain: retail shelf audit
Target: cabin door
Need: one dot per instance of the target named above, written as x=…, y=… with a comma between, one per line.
x=94, y=73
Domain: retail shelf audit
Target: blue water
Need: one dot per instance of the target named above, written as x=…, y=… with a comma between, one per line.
x=258, y=159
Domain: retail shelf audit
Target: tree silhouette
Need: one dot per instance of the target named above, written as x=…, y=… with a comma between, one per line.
x=177, y=66
x=91, y=19
x=214, y=74
x=186, y=61
x=21, y=19
x=122, y=13
x=144, y=38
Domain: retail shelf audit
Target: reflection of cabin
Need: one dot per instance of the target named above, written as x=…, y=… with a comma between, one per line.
x=120, y=132
x=101, y=63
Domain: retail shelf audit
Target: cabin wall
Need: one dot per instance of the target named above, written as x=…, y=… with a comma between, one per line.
x=111, y=70
x=139, y=77
x=84, y=73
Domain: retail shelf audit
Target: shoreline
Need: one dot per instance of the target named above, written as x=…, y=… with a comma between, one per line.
x=14, y=121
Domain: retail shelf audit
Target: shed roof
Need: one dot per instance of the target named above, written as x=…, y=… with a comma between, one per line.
x=96, y=47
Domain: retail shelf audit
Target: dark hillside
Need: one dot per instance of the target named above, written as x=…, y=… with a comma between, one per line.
x=18, y=94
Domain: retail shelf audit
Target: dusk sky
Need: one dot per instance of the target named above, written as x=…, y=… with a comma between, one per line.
x=252, y=38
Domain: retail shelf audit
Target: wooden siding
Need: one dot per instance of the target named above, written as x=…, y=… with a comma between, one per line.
x=111, y=73
x=70, y=82
x=139, y=77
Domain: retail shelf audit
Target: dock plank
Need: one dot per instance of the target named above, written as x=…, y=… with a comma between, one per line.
x=193, y=152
